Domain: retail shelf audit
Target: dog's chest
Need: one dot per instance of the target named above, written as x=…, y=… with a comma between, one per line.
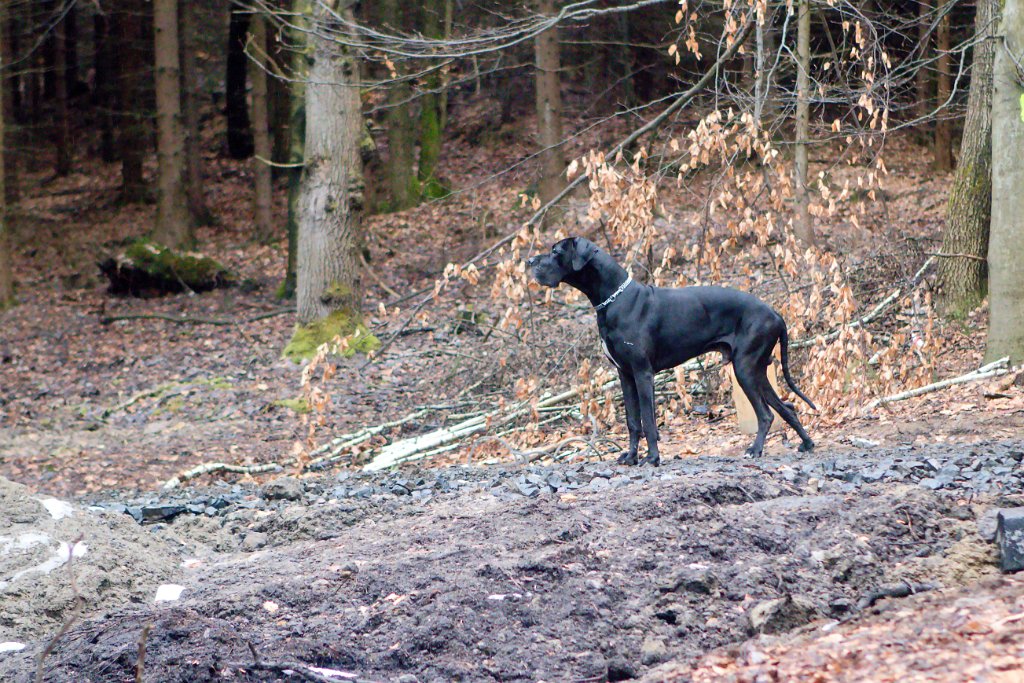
x=615, y=351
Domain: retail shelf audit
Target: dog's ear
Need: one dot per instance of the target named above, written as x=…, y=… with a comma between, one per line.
x=583, y=251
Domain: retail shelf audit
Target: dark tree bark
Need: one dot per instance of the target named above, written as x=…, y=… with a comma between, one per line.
x=301, y=12
x=132, y=111
x=104, y=95
x=549, y=109
x=963, y=273
x=240, y=142
x=1006, y=239
x=330, y=200
x=62, y=122
x=173, y=227
x=943, y=147
x=8, y=91
x=399, y=169
x=803, y=224
x=922, y=77
x=432, y=103
x=261, y=132
x=6, y=268
x=198, y=207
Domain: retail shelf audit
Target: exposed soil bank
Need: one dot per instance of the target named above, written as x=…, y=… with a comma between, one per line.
x=572, y=572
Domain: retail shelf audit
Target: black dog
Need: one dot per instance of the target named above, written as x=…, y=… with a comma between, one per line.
x=646, y=329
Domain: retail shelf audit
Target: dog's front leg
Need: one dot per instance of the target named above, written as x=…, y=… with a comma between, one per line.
x=648, y=417
x=632, y=401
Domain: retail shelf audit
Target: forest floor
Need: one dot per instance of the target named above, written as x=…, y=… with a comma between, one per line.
x=497, y=578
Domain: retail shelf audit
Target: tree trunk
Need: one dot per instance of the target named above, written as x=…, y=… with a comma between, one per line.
x=261, y=131
x=431, y=104
x=279, y=98
x=172, y=219
x=549, y=109
x=943, y=147
x=331, y=196
x=399, y=169
x=8, y=90
x=240, y=143
x=962, y=278
x=766, y=104
x=922, y=77
x=198, y=208
x=61, y=123
x=6, y=268
x=132, y=112
x=1006, y=239
x=802, y=224
x=104, y=96
x=301, y=10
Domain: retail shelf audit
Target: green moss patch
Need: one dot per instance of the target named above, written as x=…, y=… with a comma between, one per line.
x=150, y=269
x=347, y=334
x=298, y=405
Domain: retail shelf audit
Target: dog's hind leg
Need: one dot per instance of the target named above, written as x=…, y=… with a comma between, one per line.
x=786, y=411
x=747, y=375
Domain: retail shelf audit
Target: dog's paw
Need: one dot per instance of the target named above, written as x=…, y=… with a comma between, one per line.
x=806, y=446
x=651, y=459
x=753, y=453
x=627, y=458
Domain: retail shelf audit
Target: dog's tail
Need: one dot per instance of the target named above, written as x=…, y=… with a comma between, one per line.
x=784, y=346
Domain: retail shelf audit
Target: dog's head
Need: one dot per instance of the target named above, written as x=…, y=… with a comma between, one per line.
x=565, y=258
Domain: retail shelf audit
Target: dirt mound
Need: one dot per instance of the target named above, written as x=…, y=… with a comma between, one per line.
x=116, y=563
x=566, y=572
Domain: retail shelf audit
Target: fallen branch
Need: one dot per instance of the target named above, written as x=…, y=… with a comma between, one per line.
x=418, y=447
x=895, y=590
x=186, y=320
x=874, y=313
x=994, y=369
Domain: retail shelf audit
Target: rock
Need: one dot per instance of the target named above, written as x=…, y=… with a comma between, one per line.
x=653, y=651
x=694, y=579
x=254, y=540
x=283, y=488
x=987, y=524
x=160, y=513
x=620, y=669
x=527, y=489
x=1010, y=538
x=781, y=615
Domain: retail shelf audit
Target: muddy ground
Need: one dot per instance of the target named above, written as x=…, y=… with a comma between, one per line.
x=584, y=572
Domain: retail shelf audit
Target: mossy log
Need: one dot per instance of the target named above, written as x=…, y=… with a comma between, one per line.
x=146, y=269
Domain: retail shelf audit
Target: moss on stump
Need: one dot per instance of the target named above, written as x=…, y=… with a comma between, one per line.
x=341, y=328
x=147, y=269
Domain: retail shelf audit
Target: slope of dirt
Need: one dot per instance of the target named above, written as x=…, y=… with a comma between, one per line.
x=566, y=572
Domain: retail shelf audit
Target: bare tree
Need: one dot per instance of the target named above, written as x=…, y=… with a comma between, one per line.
x=962, y=270
x=132, y=111
x=802, y=225
x=239, y=127
x=943, y=145
x=199, y=208
x=173, y=227
x=399, y=171
x=6, y=270
x=1006, y=240
x=261, y=131
x=331, y=196
x=62, y=123
x=549, y=108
